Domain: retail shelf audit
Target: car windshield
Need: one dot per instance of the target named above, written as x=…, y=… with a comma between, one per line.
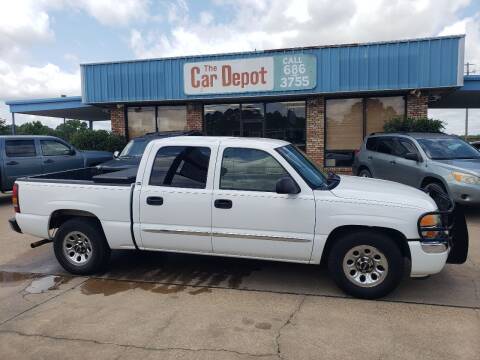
x=448, y=149
x=135, y=147
x=305, y=168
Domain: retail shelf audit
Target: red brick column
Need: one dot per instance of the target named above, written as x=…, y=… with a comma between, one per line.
x=417, y=106
x=195, y=116
x=117, y=117
x=315, y=145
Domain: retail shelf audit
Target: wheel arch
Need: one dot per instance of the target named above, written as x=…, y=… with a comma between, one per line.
x=428, y=179
x=60, y=216
x=394, y=234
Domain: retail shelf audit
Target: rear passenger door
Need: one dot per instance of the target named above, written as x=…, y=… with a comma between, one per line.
x=383, y=159
x=20, y=159
x=58, y=156
x=176, y=198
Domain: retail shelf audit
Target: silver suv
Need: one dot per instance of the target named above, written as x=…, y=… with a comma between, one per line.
x=430, y=161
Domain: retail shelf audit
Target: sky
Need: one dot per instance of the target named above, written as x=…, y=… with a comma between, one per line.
x=42, y=42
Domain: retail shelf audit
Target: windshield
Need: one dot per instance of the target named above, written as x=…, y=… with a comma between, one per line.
x=305, y=168
x=448, y=149
x=135, y=147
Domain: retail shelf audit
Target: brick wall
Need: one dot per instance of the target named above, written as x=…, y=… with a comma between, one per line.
x=315, y=129
x=417, y=107
x=117, y=117
x=194, y=116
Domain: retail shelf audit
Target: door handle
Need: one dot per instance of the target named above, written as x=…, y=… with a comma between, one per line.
x=12, y=163
x=48, y=161
x=155, y=200
x=393, y=162
x=223, y=204
x=369, y=157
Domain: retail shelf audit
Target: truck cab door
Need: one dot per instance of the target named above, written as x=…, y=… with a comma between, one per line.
x=20, y=158
x=249, y=218
x=176, y=197
x=58, y=156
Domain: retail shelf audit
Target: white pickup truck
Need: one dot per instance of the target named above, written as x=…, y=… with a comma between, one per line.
x=239, y=197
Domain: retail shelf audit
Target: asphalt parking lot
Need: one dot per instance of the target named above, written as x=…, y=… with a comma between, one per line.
x=153, y=305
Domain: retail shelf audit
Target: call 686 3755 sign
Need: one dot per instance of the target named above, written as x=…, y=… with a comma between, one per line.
x=259, y=74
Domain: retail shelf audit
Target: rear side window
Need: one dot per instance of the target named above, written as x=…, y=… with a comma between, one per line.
x=181, y=166
x=372, y=144
x=250, y=170
x=385, y=146
x=20, y=148
x=402, y=147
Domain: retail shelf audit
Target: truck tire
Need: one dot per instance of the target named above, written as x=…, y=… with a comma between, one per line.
x=80, y=246
x=366, y=264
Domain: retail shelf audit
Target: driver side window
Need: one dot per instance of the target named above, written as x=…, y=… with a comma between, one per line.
x=54, y=148
x=250, y=170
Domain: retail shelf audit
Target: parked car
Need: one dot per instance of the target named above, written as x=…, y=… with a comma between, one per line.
x=25, y=155
x=444, y=163
x=132, y=152
x=476, y=144
x=240, y=197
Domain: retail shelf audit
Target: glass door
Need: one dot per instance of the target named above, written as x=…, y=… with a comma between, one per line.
x=252, y=120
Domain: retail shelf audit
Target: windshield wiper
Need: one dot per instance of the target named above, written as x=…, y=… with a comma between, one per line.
x=332, y=180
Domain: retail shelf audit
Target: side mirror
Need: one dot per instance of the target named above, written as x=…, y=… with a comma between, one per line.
x=72, y=151
x=115, y=154
x=286, y=185
x=411, y=156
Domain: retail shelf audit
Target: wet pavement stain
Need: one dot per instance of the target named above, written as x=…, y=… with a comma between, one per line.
x=46, y=283
x=12, y=278
x=105, y=287
x=263, y=326
x=202, y=290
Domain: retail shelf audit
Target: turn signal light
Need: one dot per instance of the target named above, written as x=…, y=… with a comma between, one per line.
x=15, y=203
x=429, y=221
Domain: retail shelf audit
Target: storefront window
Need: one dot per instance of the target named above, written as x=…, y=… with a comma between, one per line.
x=170, y=118
x=252, y=119
x=380, y=110
x=141, y=120
x=286, y=121
x=344, y=122
x=222, y=119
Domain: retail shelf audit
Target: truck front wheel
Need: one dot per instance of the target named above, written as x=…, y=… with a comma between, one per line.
x=80, y=246
x=366, y=264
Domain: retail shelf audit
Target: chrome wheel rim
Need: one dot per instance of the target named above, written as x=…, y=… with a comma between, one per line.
x=365, y=266
x=77, y=248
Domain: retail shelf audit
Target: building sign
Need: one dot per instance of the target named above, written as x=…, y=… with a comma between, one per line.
x=273, y=73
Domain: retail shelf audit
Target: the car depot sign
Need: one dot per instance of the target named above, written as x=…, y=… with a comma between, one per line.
x=272, y=73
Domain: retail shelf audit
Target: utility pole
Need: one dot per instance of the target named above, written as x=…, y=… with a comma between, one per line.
x=467, y=65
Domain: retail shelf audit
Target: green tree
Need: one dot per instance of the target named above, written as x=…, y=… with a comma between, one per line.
x=403, y=124
x=4, y=128
x=97, y=140
x=34, y=128
x=69, y=128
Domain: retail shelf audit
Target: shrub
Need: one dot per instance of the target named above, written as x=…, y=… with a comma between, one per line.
x=403, y=124
x=97, y=140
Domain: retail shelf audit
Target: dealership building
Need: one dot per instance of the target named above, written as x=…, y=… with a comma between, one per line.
x=324, y=99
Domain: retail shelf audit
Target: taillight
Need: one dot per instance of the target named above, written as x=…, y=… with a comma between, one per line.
x=16, y=205
x=355, y=152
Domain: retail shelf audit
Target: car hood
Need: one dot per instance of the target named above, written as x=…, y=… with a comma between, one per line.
x=468, y=165
x=96, y=154
x=382, y=191
x=121, y=163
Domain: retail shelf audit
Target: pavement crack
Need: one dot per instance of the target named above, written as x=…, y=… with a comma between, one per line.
x=285, y=324
x=130, y=346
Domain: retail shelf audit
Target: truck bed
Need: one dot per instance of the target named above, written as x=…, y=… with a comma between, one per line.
x=90, y=175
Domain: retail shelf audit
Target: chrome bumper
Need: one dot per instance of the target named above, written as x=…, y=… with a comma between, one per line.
x=435, y=247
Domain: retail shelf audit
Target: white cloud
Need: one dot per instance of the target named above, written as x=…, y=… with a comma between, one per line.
x=113, y=12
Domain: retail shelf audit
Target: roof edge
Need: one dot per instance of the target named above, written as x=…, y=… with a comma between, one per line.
x=43, y=100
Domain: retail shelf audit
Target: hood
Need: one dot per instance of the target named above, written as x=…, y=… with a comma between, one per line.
x=469, y=165
x=382, y=191
x=121, y=163
x=96, y=153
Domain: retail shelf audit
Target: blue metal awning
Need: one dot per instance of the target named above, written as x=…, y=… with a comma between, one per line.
x=467, y=96
x=64, y=107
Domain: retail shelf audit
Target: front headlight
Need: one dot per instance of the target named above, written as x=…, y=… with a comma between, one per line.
x=428, y=225
x=465, y=178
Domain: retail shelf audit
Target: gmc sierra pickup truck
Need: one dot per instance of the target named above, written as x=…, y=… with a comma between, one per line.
x=239, y=197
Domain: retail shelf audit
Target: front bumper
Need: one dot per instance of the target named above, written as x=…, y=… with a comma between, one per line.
x=14, y=225
x=464, y=193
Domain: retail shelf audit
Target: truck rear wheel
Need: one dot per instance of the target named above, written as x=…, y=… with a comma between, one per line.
x=80, y=247
x=366, y=264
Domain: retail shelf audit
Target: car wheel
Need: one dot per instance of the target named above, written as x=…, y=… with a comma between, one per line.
x=366, y=264
x=80, y=247
x=365, y=173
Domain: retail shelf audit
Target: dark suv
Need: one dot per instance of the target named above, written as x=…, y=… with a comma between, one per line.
x=430, y=161
x=132, y=152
